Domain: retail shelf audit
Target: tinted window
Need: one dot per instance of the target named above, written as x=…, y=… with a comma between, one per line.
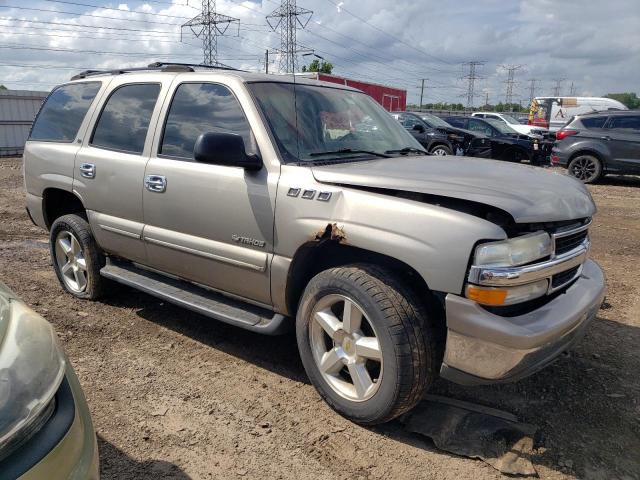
x=62, y=113
x=593, y=122
x=631, y=122
x=409, y=121
x=478, y=126
x=200, y=108
x=124, y=121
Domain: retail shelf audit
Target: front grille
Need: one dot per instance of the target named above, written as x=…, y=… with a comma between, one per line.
x=560, y=279
x=568, y=243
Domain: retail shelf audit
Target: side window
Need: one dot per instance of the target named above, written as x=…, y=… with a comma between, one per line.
x=199, y=108
x=125, y=118
x=630, y=122
x=62, y=113
x=409, y=122
x=593, y=122
x=477, y=126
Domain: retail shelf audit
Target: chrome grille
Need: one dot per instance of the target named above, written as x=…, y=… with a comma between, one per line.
x=568, y=239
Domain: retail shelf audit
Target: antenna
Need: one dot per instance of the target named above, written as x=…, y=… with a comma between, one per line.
x=288, y=18
x=208, y=25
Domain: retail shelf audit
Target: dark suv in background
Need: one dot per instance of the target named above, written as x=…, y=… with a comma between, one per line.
x=595, y=144
x=440, y=138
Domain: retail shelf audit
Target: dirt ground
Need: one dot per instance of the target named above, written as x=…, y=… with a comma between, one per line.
x=175, y=395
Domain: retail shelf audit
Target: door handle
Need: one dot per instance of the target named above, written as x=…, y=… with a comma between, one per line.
x=606, y=137
x=88, y=170
x=155, y=183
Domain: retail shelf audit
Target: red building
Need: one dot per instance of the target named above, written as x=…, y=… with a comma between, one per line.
x=392, y=99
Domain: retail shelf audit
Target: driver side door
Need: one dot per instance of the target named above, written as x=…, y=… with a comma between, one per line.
x=209, y=224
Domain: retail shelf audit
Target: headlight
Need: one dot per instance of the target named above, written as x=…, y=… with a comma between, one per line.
x=515, y=251
x=32, y=367
x=503, y=296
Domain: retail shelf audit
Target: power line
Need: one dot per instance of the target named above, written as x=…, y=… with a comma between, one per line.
x=286, y=18
x=557, y=87
x=120, y=10
x=212, y=24
x=97, y=27
x=471, y=78
x=532, y=88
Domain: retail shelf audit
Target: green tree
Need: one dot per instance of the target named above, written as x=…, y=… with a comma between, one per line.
x=2, y=87
x=317, y=66
x=629, y=99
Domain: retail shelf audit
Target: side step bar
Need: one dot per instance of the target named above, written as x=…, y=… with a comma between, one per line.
x=198, y=299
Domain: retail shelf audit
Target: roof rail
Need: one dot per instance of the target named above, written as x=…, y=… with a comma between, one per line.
x=156, y=66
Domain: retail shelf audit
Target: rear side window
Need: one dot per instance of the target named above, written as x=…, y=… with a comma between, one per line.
x=199, y=108
x=593, y=122
x=125, y=118
x=630, y=122
x=63, y=111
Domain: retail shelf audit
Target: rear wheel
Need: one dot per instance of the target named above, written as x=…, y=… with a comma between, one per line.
x=365, y=343
x=77, y=259
x=440, y=150
x=586, y=168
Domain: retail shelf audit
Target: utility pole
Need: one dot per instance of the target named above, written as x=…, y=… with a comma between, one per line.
x=511, y=72
x=288, y=18
x=421, y=87
x=486, y=99
x=532, y=89
x=266, y=61
x=208, y=25
x=471, y=78
x=572, y=90
x=557, y=87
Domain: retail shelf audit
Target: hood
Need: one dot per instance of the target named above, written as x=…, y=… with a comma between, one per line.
x=528, y=194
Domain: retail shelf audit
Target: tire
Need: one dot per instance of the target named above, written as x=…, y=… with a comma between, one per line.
x=440, y=150
x=586, y=168
x=75, y=255
x=392, y=316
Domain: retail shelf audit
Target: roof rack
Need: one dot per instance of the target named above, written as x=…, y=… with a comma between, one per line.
x=156, y=66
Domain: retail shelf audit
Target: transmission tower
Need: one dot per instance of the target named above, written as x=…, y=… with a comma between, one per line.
x=510, y=81
x=471, y=78
x=557, y=86
x=288, y=18
x=572, y=90
x=532, y=88
x=208, y=25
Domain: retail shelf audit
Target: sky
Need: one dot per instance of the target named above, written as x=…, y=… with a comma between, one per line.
x=593, y=45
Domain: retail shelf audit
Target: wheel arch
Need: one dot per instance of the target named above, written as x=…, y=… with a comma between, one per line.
x=57, y=202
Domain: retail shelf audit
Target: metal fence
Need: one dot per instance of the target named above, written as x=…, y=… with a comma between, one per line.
x=18, y=108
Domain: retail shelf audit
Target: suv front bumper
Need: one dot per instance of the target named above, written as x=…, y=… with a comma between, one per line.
x=484, y=348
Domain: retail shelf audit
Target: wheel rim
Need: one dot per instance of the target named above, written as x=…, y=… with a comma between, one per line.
x=584, y=168
x=439, y=151
x=71, y=261
x=346, y=348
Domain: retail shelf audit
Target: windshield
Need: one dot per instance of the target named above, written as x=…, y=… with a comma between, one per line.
x=510, y=119
x=434, y=121
x=500, y=126
x=314, y=123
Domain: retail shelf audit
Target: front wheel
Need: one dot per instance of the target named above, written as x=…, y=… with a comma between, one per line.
x=586, y=168
x=440, y=150
x=365, y=343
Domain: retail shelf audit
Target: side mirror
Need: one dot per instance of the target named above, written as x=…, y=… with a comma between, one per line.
x=221, y=148
x=419, y=128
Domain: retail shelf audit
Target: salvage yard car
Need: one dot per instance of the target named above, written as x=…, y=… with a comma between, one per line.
x=440, y=138
x=273, y=202
x=512, y=122
x=45, y=425
x=594, y=144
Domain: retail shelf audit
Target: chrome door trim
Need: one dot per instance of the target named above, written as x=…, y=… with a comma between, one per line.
x=201, y=253
x=108, y=228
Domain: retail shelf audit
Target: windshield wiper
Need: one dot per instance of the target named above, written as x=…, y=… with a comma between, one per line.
x=343, y=151
x=406, y=150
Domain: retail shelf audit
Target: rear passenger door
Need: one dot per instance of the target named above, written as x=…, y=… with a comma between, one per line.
x=622, y=133
x=210, y=224
x=109, y=169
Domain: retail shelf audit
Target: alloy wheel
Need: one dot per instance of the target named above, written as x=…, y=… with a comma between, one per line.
x=439, y=151
x=345, y=348
x=71, y=261
x=584, y=168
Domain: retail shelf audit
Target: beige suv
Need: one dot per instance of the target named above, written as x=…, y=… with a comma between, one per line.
x=275, y=202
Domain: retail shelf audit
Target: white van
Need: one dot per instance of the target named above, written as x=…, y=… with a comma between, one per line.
x=554, y=112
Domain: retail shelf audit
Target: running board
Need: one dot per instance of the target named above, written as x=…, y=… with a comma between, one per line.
x=200, y=300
